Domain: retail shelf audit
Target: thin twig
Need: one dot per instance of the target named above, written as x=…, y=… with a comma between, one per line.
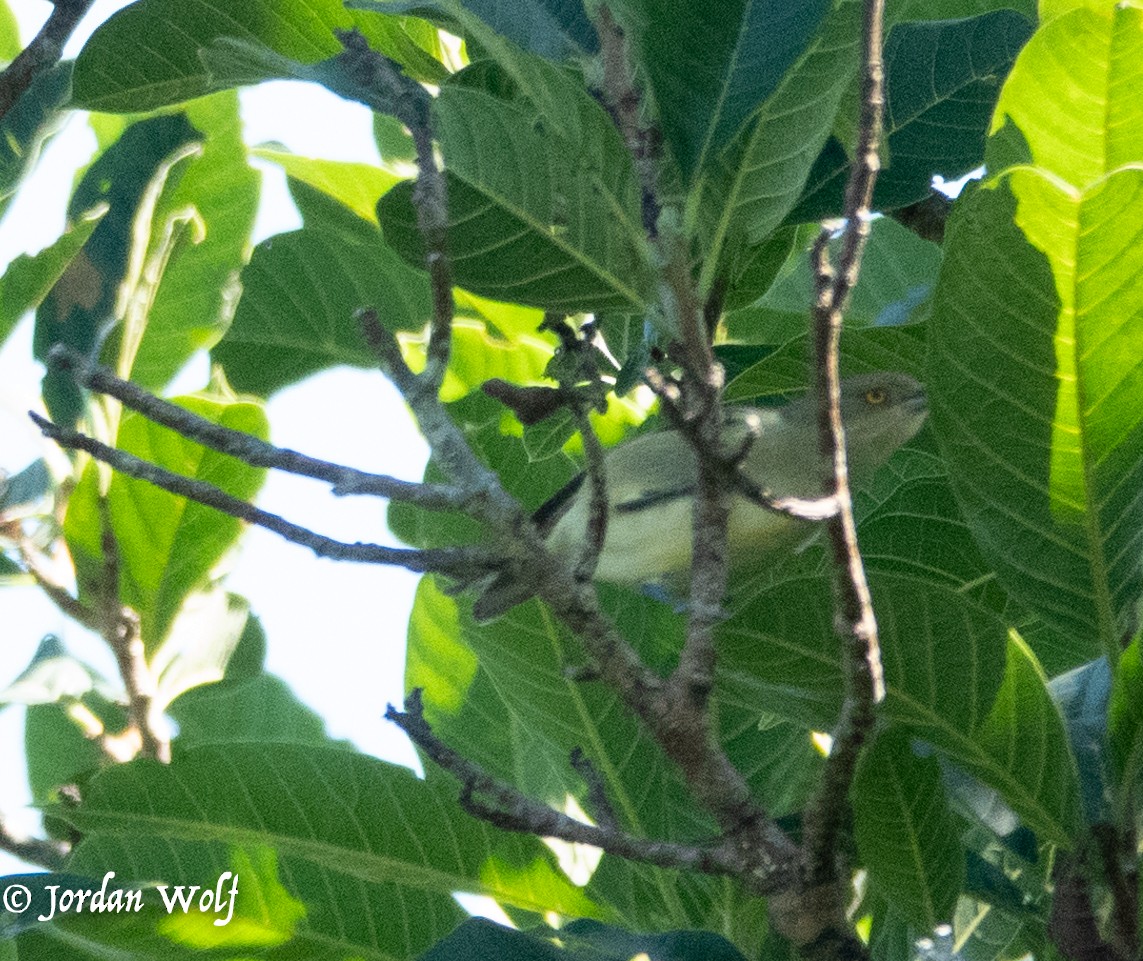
x=42, y=53
x=55, y=592
x=511, y=810
x=119, y=627
x=624, y=102
x=597, y=504
x=249, y=449
x=854, y=619
x=598, y=803
x=393, y=92
x=457, y=562
x=40, y=851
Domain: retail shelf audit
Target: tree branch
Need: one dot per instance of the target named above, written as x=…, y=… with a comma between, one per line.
x=456, y=562
x=511, y=810
x=42, y=53
x=250, y=450
x=119, y=627
x=854, y=619
x=397, y=94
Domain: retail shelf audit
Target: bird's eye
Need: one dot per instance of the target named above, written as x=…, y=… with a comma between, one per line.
x=875, y=396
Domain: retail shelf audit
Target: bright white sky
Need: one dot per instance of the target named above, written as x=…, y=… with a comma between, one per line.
x=336, y=632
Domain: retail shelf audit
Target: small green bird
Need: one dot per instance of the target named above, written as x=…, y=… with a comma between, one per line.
x=651, y=482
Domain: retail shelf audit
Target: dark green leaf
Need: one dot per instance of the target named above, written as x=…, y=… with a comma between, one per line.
x=28, y=124
x=942, y=81
x=706, y=91
x=906, y=836
x=525, y=224
x=84, y=300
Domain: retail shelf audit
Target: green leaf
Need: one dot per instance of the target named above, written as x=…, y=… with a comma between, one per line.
x=898, y=272
x=118, y=72
x=942, y=81
x=357, y=186
x=301, y=291
x=167, y=545
x=897, y=11
x=10, y=45
x=29, y=277
x=513, y=672
x=548, y=437
x=555, y=29
x=784, y=371
x=526, y=225
x=1036, y=399
x=1125, y=727
x=944, y=674
x=61, y=746
x=906, y=836
x=706, y=91
x=32, y=119
x=254, y=710
x=760, y=175
x=371, y=852
x=1024, y=736
x=200, y=239
x=84, y=301
x=1071, y=94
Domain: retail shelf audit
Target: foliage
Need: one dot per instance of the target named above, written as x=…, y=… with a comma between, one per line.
x=1003, y=544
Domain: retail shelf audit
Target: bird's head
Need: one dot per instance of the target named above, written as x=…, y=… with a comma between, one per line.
x=881, y=412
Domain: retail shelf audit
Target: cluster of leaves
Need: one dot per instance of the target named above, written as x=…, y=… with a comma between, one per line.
x=1003, y=544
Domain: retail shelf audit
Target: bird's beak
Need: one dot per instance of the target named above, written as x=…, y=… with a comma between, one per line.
x=917, y=403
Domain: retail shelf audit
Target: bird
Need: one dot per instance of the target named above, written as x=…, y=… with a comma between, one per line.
x=651, y=482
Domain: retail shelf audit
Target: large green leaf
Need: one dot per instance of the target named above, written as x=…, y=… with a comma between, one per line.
x=898, y=272
x=301, y=291
x=906, y=836
x=760, y=175
x=1037, y=397
x=369, y=853
x=706, y=91
x=784, y=371
x=945, y=681
x=85, y=300
x=1072, y=97
x=200, y=238
x=527, y=222
x=118, y=70
x=357, y=186
x=499, y=693
x=942, y=81
x=167, y=545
